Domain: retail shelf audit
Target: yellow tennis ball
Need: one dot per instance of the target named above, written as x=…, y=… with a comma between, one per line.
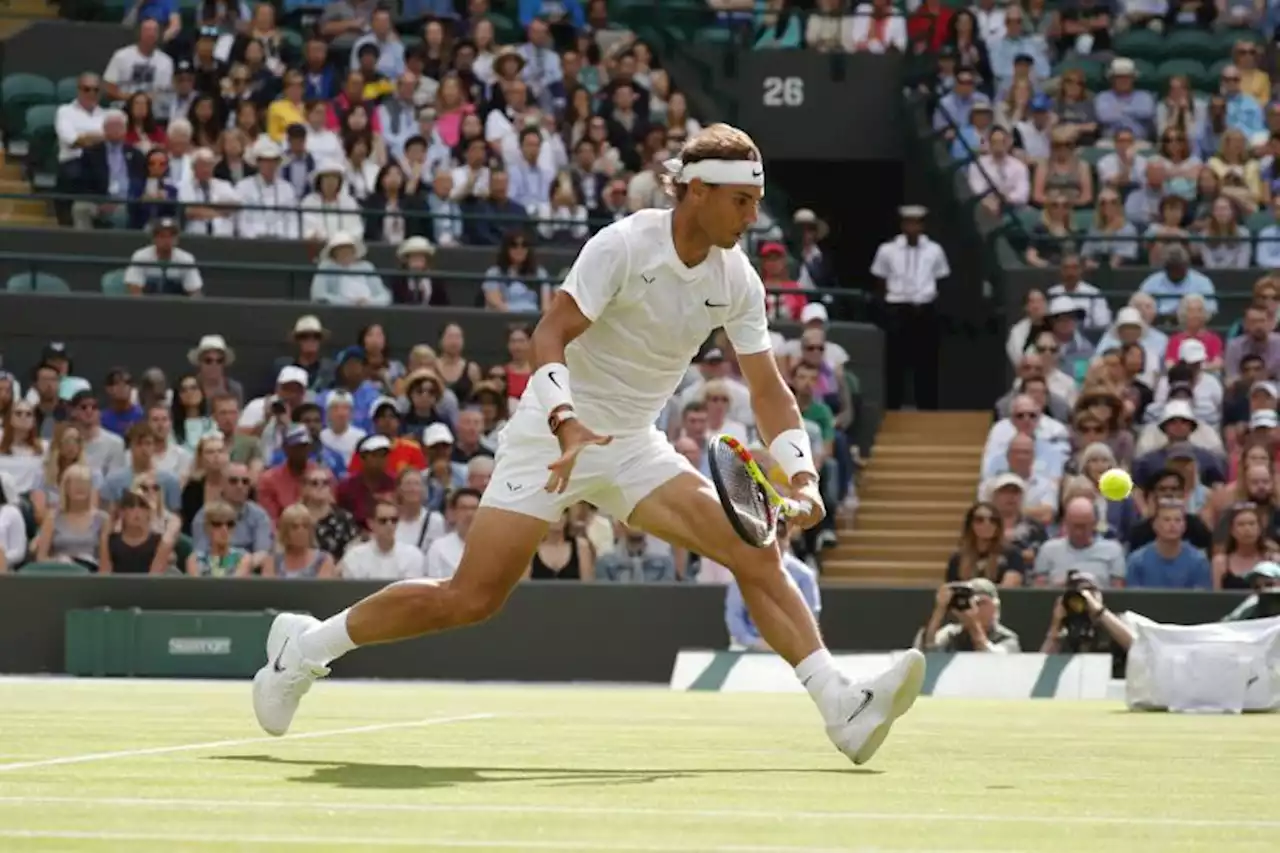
x=1115, y=484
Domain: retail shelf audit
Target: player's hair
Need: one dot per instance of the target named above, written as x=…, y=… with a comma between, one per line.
x=714, y=142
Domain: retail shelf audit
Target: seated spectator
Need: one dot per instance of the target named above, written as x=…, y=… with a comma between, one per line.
x=1243, y=549
x=419, y=525
x=329, y=210
x=268, y=201
x=139, y=67
x=392, y=214
x=208, y=477
x=1123, y=106
x=446, y=214
x=445, y=554
x=1268, y=252
x=323, y=141
x=340, y=436
x=424, y=392
x=982, y=552
x=876, y=27
x=13, y=528
x=382, y=557
x=415, y=286
x=1227, y=244
x=1169, y=562
x=107, y=169
x=1026, y=418
x=368, y=479
x=74, y=530
x=351, y=379
x=1244, y=114
x=210, y=204
x=281, y=485
x=1143, y=205
x=1178, y=423
x=492, y=218
x=252, y=531
x=308, y=414
x=1112, y=239
x=152, y=195
x=299, y=166
x=162, y=268
x=776, y=275
x=403, y=452
x=1134, y=329
x=1076, y=108
x=296, y=556
x=1124, y=168
x=1193, y=319
x=634, y=559
x=135, y=548
x=334, y=527
x=516, y=282
x=179, y=149
x=998, y=178
x=1096, y=314
x=1022, y=532
x=978, y=627
x=1167, y=484
x=1079, y=548
x=141, y=443
x=1206, y=389
x=219, y=558
x=1259, y=339
x=562, y=555
x=1027, y=329
x=170, y=457
x=344, y=277
x=66, y=449
x=562, y=217
x=78, y=125
x=1246, y=394
x=1063, y=339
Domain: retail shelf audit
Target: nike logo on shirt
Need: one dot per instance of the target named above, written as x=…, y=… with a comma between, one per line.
x=711, y=304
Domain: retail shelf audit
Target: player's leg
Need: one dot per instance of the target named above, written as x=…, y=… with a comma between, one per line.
x=686, y=512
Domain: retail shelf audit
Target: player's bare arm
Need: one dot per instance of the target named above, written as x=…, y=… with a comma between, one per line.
x=562, y=322
x=778, y=418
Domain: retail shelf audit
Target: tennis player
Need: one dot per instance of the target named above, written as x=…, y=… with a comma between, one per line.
x=640, y=300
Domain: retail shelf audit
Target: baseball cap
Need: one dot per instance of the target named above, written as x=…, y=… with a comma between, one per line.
x=56, y=349
x=713, y=354
x=1192, y=352
x=183, y=66
x=349, y=353
x=87, y=394
x=297, y=435
x=165, y=224
x=1264, y=419
x=374, y=444
x=814, y=312
x=1130, y=316
x=293, y=375
x=772, y=248
x=1007, y=479
x=1175, y=410
x=1264, y=385
x=1265, y=569
x=982, y=586
x=437, y=434
x=1041, y=103
x=71, y=386
x=380, y=404
x=338, y=398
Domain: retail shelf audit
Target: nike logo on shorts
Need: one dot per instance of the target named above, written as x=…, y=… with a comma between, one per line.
x=867, y=697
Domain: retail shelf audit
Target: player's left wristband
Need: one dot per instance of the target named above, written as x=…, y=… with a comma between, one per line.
x=793, y=453
x=550, y=384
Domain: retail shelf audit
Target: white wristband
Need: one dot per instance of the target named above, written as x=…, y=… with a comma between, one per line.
x=550, y=386
x=793, y=453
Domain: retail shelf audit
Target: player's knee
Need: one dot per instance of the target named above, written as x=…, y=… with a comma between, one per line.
x=476, y=604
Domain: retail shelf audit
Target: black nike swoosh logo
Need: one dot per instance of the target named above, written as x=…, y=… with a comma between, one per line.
x=277, y=666
x=796, y=447
x=805, y=683
x=646, y=279
x=711, y=304
x=1250, y=682
x=867, y=697
x=554, y=381
x=756, y=174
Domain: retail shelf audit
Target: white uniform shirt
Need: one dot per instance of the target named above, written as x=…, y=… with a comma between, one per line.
x=321, y=219
x=144, y=265
x=444, y=555
x=911, y=273
x=368, y=562
x=279, y=225
x=71, y=122
x=344, y=443
x=133, y=72
x=422, y=531
x=649, y=316
x=218, y=192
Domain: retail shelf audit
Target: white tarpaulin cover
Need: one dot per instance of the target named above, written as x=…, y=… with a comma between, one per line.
x=1223, y=667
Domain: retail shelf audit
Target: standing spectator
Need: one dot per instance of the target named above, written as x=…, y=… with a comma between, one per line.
x=282, y=485
x=268, y=203
x=1169, y=562
x=910, y=267
x=162, y=268
x=140, y=67
x=219, y=558
x=445, y=553
x=1079, y=548
x=1259, y=339
x=999, y=178
x=344, y=277
x=107, y=170
x=297, y=557
x=1125, y=106
x=383, y=557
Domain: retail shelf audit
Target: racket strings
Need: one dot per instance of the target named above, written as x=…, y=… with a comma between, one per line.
x=743, y=495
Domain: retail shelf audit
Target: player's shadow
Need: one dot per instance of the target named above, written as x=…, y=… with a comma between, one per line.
x=350, y=774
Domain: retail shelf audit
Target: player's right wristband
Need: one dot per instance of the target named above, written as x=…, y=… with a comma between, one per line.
x=550, y=384
x=793, y=453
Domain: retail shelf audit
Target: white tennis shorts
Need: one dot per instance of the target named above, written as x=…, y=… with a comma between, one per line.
x=614, y=478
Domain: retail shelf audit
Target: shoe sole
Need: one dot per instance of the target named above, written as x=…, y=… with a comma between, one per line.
x=276, y=637
x=903, y=699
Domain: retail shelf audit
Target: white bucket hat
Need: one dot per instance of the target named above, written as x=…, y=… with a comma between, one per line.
x=211, y=343
x=338, y=239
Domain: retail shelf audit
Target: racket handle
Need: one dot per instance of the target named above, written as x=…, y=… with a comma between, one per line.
x=792, y=508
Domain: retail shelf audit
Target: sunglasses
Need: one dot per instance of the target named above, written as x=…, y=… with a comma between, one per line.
x=218, y=525
x=387, y=519
x=1024, y=416
x=238, y=481
x=213, y=359
x=1230, y=79
x=318, y=483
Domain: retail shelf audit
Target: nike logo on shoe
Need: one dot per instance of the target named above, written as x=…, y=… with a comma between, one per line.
x=277, y=666
x=868, y=696
x=711, y=304
x=796, y=447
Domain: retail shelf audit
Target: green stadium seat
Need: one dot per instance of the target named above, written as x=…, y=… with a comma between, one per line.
x=113, y=283
x=19, y=94
x=1082, y=221
x=1147, y=77
x=1193, y=69
x=41, y=282
x=1258, y=220
x=1028, y=218
x=1092, y=155
x=183, y=548
x=1215, y=72
x=113, y=11
x=506, y=30
x=1227, y=40
x=54, y=569
x=293, y=39
x=1193, y=44
x=1140, y=44
x=68, y=88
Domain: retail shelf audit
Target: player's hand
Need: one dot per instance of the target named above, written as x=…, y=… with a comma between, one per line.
x=574, y=438
x=804, y=490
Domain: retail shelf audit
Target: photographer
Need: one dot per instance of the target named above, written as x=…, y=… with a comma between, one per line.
x=270, y=417
x=1264, y=580
x=1082, y=624
x=975, y=605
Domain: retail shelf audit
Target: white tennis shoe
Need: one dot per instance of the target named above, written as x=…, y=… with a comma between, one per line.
x=280, y=685
x=867, y=710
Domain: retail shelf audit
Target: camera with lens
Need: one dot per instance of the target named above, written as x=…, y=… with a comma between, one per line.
x=278, y=406
x=961, y=596
x=1078, y=624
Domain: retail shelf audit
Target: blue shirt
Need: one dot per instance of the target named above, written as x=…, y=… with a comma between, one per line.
x=320, y=454
x=159, y=11
x=1004, y=51
x=530, y=9
x=253, y=531
x=390, y=57
x=119, y=422
x=1188, y=570
x=118, y=168
x=1135, y=111
x=519, y=296
x=957, y=108
x=1169, y=293
x=117, y=481
x=742, y=629
x=1244, y=114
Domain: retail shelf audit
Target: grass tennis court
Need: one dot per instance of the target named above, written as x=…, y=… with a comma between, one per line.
x=176, y=766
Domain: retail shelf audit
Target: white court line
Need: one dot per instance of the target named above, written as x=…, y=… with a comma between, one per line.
x=623, y=811
x=364, y=842
x=223, y=744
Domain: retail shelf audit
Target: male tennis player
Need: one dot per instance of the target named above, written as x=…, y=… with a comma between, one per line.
x=642, y=297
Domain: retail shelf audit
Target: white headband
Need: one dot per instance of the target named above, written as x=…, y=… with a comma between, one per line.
x=749, y=172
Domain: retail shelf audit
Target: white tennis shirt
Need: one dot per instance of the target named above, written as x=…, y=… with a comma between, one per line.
x=649, y=316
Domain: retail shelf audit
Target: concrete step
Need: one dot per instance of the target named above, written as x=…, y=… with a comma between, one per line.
x=924, y=506
x=877, y=581
x=968, y=465
x=907, y=569
x=888, y=489
x=937, y=553
x=871, y=534
x=26, y=208
x=888, y=472
x=24, y=220
x=892, y=522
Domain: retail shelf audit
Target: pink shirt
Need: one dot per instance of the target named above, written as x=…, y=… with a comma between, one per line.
x=1212, y=345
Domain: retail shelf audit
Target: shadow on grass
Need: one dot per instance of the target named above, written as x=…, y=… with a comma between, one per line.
x=347, y=774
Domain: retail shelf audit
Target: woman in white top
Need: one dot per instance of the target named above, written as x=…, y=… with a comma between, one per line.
x=1035, y=307
x=486, y=49
x=329, y=209
x=21, y=449
x=345, y=277
x=418, y=525
x=65, y=450
x=298, y=557
x=678, y=115
x=362, y=172
x=322, y=143
x=822, y=32
x=1227, y=244
x=13, y=536
x=563, y=217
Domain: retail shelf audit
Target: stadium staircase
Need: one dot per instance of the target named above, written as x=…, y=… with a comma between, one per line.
x=913, y=495
x=33, y=213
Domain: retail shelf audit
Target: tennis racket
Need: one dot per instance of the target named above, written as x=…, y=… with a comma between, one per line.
x=749, y=499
